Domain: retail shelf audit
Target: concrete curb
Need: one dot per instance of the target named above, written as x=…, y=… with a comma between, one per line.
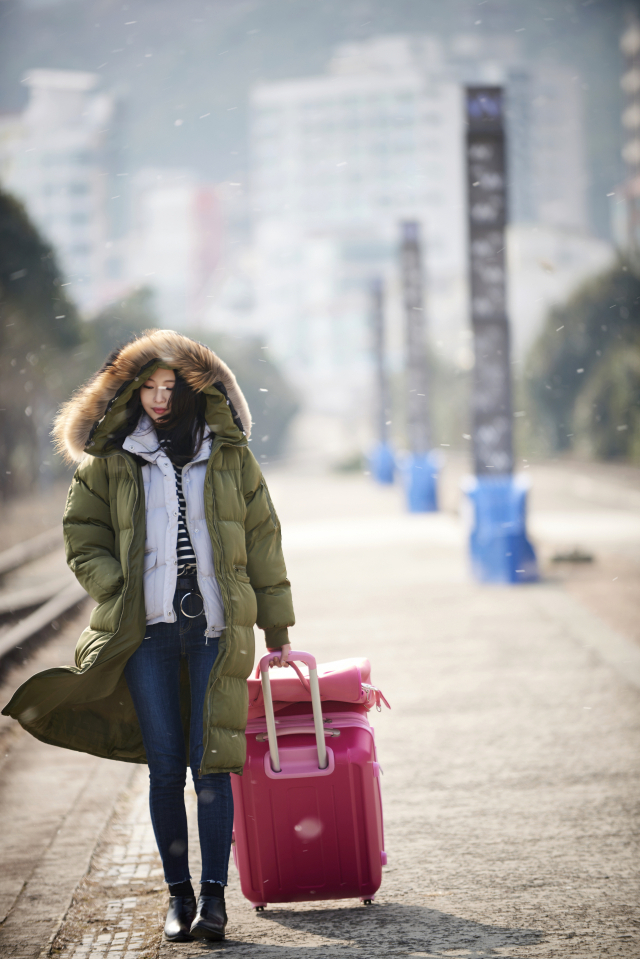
x=85, y=816
x=41, y=904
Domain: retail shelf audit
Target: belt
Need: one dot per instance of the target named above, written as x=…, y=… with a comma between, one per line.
x=189, y=586
x=187, y=582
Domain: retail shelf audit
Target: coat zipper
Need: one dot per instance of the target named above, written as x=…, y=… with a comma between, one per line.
x=222, y=581
x=186, y=517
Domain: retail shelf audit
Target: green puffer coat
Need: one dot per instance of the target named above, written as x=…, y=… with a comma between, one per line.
x=87, y=707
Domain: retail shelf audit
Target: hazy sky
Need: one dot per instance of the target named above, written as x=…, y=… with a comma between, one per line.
x=183, y=60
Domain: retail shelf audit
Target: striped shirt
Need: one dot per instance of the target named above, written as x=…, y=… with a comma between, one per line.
x=186, y=555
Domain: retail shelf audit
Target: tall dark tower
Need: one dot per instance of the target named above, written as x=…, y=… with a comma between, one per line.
x=418, y=419
x=421, y=471
x=486, y=179
x=382, y=458
x=500, y=550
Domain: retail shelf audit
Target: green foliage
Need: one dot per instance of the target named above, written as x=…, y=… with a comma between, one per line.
x=607, y=411
x=30, y=283
x=272, y=400
x=47, y=352
x=119, y=322
x=111, y=328
x=449, y=402
x=354, y=463
x=38, y=327
x=582, y=373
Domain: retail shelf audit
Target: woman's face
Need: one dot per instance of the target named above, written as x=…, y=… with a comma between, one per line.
x=155, y=393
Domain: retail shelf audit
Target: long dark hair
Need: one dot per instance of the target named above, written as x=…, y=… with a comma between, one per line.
x=180, y=432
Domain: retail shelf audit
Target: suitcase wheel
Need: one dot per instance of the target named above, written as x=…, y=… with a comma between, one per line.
x=367, y=902
x=259, y=908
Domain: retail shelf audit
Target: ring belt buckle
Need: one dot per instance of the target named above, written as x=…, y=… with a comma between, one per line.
x=182, y=610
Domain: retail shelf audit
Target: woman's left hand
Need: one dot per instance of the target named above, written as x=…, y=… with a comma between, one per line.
x=281, y=660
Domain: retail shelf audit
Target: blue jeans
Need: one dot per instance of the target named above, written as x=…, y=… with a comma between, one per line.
x=153, y=677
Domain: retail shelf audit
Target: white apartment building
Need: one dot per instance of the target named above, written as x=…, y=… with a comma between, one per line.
x=625, y=209
x=340, y=160
x=175, y=242
x=558, y=149
x=11, y=137
x=58, y=169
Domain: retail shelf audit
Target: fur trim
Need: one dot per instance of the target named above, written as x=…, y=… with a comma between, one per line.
x=198, y=364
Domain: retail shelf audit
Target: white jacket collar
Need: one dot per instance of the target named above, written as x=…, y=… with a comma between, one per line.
x=144, y=442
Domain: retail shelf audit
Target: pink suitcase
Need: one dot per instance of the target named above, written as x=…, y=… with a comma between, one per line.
x=308, y=810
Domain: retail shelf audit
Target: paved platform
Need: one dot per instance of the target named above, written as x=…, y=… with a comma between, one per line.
x=510, y=757
x=54, y=806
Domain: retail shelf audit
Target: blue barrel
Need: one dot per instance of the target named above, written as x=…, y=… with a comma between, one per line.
x=500, y=549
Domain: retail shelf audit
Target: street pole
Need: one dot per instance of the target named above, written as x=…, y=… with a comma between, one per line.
x=500, y=550
x=420, y=469
x=382, y=459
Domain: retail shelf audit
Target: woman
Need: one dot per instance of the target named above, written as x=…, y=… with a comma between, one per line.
x=170, y=528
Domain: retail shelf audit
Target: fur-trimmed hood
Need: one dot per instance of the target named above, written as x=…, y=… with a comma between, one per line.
x=81, y=427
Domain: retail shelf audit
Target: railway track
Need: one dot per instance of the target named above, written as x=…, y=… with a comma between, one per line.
x=29, y=609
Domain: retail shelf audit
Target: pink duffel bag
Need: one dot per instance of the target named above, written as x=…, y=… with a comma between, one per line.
x=345, y=681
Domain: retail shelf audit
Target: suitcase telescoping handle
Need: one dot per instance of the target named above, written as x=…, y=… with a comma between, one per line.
x=315, y=703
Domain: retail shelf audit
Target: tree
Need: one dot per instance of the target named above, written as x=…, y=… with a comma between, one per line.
x=39, y=325
x=583, y=373
x=270, y=397
x=113, y=326
x=46, y=351
x=607, y=411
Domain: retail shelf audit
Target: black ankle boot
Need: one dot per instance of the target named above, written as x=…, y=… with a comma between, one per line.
x=181, y=913
x=210, y=920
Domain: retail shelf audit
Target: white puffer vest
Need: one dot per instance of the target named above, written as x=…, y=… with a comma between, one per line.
x=162, y=508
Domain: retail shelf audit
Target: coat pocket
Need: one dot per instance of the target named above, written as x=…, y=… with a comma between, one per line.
x=241, y=574
x=105, y=617
x=150, y=559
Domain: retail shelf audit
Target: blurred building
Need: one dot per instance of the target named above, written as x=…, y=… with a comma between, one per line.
x=58, y=158
x=11, y=137
x=557, y=148
x=340, y=159
x=175, y=242
x=626, y=205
